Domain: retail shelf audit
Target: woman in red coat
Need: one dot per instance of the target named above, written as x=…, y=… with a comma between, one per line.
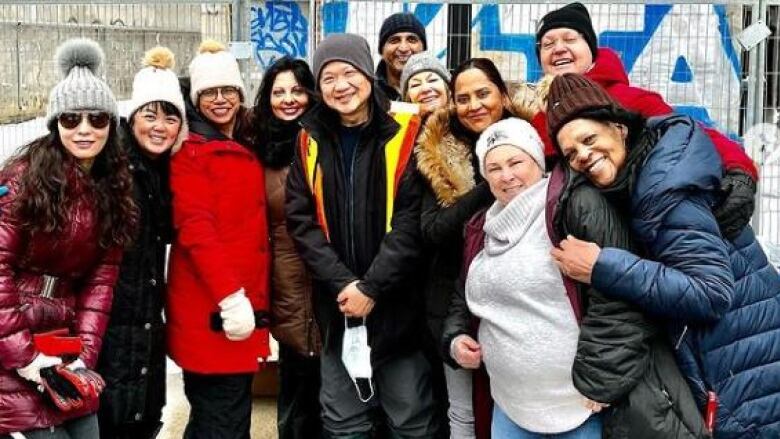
x=218, y=280
x=68, y=213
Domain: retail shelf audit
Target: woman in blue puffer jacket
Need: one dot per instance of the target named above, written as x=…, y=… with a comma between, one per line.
x=720, y=299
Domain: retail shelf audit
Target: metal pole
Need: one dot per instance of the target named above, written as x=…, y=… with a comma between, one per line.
x=18, y=69
x=758, y=108
x=313, y=29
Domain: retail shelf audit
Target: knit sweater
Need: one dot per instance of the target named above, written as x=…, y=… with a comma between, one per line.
x=528, y=331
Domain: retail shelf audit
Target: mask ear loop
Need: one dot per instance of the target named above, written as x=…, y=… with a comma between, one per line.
x=360, y=396
x=354, y=381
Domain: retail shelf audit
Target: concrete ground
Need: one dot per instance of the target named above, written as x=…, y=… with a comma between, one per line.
x=177, y=411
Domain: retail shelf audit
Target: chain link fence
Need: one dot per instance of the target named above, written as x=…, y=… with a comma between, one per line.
x=687, y=50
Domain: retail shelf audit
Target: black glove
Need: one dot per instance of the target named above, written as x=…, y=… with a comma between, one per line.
x=738, y=201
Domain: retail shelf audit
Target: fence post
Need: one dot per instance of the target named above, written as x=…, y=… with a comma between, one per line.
x=758, y=107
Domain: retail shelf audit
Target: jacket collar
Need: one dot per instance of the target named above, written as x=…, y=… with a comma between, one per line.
x=321, y=119
x=446, y=160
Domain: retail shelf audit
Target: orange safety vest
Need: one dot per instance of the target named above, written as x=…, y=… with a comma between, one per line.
x=398, y=151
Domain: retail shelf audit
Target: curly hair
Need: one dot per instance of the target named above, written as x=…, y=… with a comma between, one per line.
x=43, y=200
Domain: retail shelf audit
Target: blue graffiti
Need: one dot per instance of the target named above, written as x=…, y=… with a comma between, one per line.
x=336, y=13
x=630, y=45
x=278, y=28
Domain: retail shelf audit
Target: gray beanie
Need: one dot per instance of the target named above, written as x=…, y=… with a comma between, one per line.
x=80, y=60
x=349, y=48
x=422, y=62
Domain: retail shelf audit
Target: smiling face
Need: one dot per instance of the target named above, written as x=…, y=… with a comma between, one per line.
x=509, y=171
x=564, y=50
x=429, y=90
x=478, y=102
x=220, y=106
x=289, y=99
x=84, y=142
x=346, y=90
x=595, y=149
x=397, y=50
x=155, y=131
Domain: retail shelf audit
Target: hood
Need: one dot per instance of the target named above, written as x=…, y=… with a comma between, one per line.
x=447, y=161
x=608, y=69
x=683, y=161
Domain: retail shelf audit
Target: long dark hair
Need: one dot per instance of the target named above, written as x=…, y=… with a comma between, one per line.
x=262, y=117
x=43, y=199
x=491, y=71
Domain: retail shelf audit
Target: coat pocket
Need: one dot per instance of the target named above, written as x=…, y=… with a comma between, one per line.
x=660, y=406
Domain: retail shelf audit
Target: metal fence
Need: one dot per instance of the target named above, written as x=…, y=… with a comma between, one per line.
x=686, y=50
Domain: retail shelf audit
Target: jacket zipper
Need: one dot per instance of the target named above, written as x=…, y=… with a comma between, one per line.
x=351, y=206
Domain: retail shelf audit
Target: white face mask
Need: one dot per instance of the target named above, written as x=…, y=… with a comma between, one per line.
x=356, y=356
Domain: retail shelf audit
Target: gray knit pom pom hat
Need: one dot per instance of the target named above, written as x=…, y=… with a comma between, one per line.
x=79, y=61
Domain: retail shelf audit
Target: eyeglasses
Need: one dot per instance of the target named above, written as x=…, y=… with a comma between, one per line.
x=72, y=120
x=548, y=44
x=210, y=94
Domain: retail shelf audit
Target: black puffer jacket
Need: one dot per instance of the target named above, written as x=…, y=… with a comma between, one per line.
x=133, y=357
x=388, y=263
x=621, y=358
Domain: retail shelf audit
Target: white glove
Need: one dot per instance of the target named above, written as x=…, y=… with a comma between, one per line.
x=32, y=372
x=238, y=317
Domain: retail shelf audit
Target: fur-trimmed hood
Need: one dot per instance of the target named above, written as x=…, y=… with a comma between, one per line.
x=446, y=161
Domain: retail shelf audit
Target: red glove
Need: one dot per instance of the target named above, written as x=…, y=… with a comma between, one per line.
x=71, y=389
x=62, y=392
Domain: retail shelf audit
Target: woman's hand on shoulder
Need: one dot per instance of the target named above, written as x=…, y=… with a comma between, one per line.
x=466, y=352
x=576, y=258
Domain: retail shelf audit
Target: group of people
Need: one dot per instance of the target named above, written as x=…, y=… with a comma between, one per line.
x=568, y=259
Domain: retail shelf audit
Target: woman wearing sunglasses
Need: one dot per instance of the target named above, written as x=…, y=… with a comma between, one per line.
x=63, y=225
x=219, y=273
x=132, y=361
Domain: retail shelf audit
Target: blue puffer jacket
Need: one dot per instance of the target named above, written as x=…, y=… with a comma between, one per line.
x=721, y=299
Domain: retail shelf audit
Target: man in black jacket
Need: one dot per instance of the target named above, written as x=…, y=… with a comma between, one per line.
x=401, y=36
x=353, y=209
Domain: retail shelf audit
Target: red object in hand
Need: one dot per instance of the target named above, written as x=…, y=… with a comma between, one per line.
x=57, y=343
x=711, y=410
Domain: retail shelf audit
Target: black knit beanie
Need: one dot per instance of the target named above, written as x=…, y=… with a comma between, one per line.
x=401, y=22
x=573, y=16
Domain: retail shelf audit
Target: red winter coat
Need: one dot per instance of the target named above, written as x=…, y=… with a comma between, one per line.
x=80, y=300
x=220, y=245
x=608, y=71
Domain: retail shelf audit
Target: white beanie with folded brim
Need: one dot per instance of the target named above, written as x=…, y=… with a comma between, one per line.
x=214, y=66
x=157, y=82
x=512, y=132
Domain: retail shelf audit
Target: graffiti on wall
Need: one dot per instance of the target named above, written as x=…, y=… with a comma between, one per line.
x=278, y=28
x=683, y=51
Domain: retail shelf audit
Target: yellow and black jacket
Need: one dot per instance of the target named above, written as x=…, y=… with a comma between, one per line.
x=366, y=227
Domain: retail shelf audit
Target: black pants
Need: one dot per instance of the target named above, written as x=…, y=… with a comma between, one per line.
x=298, y=404
x=139, y=430
x=220, y=405
x=403, y=395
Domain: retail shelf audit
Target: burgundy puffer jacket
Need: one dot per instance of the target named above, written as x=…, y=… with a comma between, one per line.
x=80, y=298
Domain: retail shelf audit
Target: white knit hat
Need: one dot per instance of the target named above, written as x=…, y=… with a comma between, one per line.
x=513, y=132
x=157, y=82
x=214, y=66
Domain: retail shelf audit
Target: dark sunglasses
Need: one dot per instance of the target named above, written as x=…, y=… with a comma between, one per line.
x=72, y=120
